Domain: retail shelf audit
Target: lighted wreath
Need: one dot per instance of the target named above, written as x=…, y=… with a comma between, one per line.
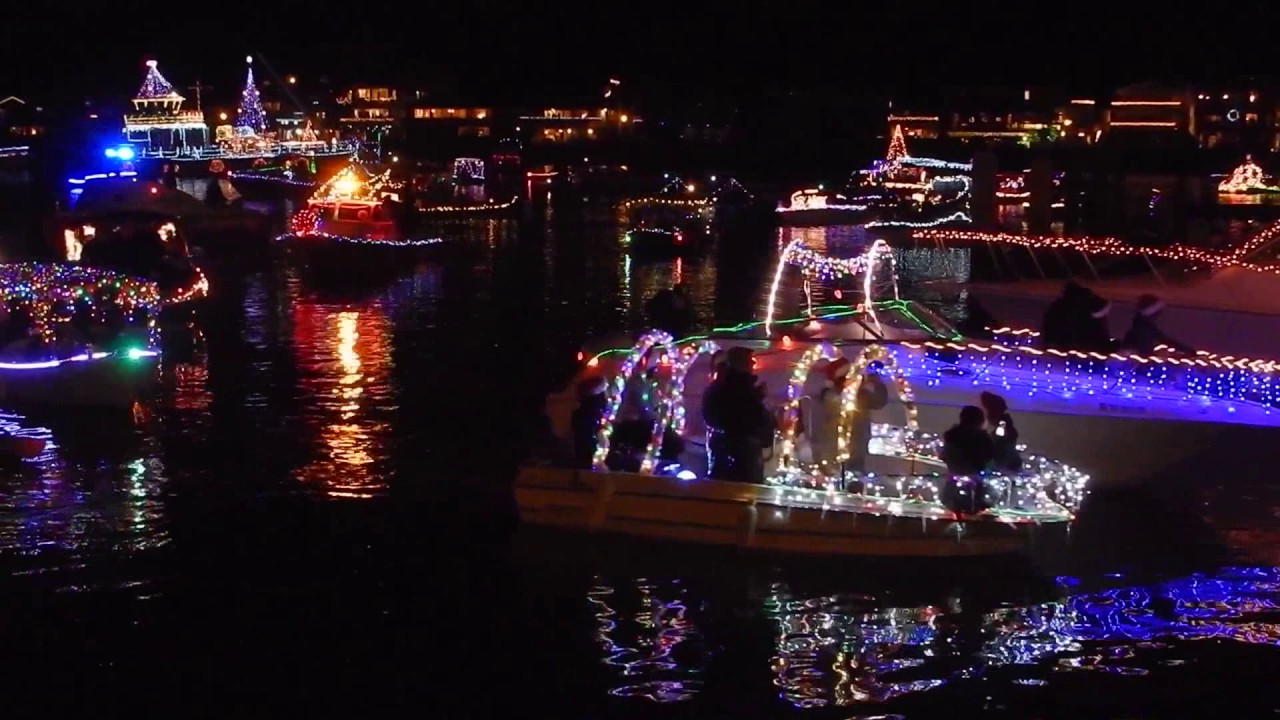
x=304, y=222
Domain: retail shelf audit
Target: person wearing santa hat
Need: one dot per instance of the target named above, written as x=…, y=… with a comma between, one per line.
x=825, y=439
x=1144, y=334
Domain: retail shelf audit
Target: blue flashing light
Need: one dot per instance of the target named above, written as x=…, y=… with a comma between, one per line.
x=124, y=152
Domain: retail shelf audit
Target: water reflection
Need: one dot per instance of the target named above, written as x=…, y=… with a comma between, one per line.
x=344, y=362
x=846, y=650
x=79, y=500
x=646, y=636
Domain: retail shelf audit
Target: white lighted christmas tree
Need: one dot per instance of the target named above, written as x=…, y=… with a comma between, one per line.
x=154, y=86
x=250, y=114
x=897, y=146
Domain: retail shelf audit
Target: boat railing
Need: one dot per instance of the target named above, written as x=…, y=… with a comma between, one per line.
x=1166, y=264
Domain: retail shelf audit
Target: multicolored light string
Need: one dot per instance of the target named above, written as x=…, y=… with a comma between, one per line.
x=671, y=413
x=617, y=388
x=53, y=293
x=463, y=209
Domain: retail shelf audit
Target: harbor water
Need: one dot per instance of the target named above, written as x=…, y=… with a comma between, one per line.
x=316, y=513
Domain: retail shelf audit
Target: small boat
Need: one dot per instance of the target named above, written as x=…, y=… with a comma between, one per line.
x=204, y=225
x=897, y=506
x=145, y=245
x=1247, y=179
x=661, y=240
x=98, y=349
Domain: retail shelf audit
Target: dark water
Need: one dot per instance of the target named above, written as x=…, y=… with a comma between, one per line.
x=317, y=516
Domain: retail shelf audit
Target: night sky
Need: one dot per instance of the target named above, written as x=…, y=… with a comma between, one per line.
x=489, y=48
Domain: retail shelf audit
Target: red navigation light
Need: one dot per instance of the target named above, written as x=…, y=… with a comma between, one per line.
x=154, y=189
x=679, y=238
x=581, y=355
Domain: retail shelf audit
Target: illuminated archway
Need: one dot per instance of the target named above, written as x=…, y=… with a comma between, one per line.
x=849, y=398
x=618, y=386
x=795, y=389
x=815, y=264
x=672, y=411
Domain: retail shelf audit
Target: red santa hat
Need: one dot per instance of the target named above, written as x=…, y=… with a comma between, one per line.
x=838, y=369
x=1149, y=305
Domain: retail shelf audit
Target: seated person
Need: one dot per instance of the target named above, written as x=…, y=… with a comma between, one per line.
x=966, y=447
x=1145, y=334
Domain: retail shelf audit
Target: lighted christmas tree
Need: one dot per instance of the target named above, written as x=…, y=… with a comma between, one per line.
x=250, y=114
x=897, y=145
x=154, y=85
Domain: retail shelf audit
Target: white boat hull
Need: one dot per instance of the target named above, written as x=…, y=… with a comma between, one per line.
x=115, y=382
x=747, y=516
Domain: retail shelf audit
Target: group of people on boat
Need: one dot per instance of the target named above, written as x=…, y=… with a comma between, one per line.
x=1079, y=320
x=105, y=329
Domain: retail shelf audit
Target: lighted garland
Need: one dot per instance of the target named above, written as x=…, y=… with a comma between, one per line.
x=53, y=293
x=1114, y=246
x=617, y=388
x=671, y=414
x=370, y=241
x=483, y=207
x=849, y=398
x=263, y=177
x=351, y=183
x=823, y=267
x=795, y=391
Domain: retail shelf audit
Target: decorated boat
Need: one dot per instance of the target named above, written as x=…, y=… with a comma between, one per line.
x=896, y=505
x=144, y=245
x=899, y=190
x=289, y=176
x=353, y=217
x=1247, y=179
x=204, y=225
x=76, y=336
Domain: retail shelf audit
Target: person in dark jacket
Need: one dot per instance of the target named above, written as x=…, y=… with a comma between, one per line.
x=739, y=426
x=169, y=176
x=1145, y=334
x=978, y=322
x=1093, y=329
x=1004, y=434
x=1056, y=330
x=966, y=447
x=671, y=310
x=592, y=400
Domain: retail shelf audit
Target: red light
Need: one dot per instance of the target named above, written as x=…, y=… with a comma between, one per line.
x=786, y=341
x=838, y=294
x=154, y=190
x=581, y=355
x=679, y=238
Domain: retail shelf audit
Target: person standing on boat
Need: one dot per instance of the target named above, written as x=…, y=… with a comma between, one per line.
x=169, y=176
x=669, y=309
x=1061, y=319
x=739, y=426
x=1145, y=335
x=825, y=439
x=1004, y=434
x=968, y=452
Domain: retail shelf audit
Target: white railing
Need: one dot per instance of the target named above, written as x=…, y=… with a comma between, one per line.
x=211, y=152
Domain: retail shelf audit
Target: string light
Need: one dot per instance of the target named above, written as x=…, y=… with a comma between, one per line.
x=617, y=388
x=1195, y=257
x=351, y=184
x=52, y=294
x=487, y=206
x=155, y=86
x=261, y=175
x=671, y=413
x=250, y=114
x=375, y=241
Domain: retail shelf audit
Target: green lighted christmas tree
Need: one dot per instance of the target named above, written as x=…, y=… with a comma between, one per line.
x=250, y=114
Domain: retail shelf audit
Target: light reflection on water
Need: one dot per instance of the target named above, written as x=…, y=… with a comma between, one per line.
x=843, y=650
x=648, y=639
x=344, y=363
x=73, y=501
